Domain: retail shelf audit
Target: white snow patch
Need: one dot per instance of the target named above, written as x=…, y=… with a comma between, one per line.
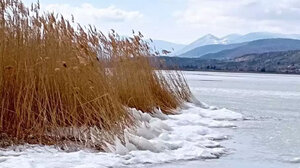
x=191, y=134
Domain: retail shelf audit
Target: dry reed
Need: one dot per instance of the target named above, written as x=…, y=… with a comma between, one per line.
x=63, y=83
x=136, y=81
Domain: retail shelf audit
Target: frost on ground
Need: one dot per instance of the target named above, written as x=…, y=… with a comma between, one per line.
x=159, y=139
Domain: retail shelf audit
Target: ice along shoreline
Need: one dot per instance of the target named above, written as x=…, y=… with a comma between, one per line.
x=189, y=135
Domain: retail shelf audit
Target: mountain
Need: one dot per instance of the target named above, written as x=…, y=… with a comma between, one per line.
x=209, y=49
x=258, y=46
x=261, y=35
x=205, y=40
x=272, y=62
x=233, y=39
x=229, y=39
x=159, y=45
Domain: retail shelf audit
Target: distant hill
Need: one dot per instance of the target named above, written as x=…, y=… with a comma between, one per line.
x=258, y=46
x=205, y=40
x=233, y=39
x=273, y=62
x=209, y=49
x=159, y=45
x=259, y=36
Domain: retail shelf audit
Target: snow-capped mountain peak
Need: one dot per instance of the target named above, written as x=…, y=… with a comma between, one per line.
x=230, y=38
x=209, y=36
x=159, y=45
x=205, y=40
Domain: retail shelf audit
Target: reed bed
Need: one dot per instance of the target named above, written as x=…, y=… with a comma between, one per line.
x=60, y=83
x=137, y=82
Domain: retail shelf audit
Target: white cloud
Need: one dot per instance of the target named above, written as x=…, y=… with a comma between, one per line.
x=184, y=20
x=88, y=14
x=241, y=16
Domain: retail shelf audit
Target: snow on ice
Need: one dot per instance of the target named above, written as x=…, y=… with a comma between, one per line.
x=189, y=135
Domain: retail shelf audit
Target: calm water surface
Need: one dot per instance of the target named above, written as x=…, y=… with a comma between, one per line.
x=270, y=138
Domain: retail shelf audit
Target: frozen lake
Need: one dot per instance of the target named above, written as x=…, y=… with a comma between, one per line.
x=271, y=102
x=198, y=135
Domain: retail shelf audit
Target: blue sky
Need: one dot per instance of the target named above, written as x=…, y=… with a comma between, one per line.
x=182, y=21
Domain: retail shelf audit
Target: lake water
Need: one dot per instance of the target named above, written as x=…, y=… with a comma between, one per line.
x=270, y=138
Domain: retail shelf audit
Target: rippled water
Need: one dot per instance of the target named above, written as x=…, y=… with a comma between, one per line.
x=271, y=102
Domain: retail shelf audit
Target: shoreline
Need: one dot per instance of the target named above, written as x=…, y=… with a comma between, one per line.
x=250, y=72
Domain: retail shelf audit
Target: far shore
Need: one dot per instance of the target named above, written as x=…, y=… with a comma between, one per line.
x=252, y=72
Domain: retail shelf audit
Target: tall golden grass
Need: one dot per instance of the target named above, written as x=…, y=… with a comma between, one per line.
x=55, y=77
x=136, y=81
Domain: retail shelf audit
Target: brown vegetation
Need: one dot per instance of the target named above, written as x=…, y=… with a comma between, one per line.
x=60, y=83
